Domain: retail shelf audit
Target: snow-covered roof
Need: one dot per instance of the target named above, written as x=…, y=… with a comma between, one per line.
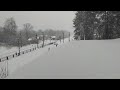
x=53, y=36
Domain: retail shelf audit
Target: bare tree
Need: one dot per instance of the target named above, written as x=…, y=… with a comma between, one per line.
x=28, y=27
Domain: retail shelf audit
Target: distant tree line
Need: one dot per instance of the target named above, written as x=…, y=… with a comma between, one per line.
x=11, y=35
x=91, y=25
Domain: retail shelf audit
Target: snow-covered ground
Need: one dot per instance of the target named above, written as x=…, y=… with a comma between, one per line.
x=77, y=59
x=18, y=62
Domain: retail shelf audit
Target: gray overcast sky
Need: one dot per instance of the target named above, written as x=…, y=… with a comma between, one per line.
x=41, y=19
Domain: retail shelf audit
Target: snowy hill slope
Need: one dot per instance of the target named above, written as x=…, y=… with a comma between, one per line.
x=77, y=59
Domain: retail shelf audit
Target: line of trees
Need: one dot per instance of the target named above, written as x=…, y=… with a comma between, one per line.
x=91, y=25
x=10, y=34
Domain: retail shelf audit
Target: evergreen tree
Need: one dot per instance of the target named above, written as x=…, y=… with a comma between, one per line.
x=10, y=31
x=79, y=24
x=104, y=24
x=10, y=26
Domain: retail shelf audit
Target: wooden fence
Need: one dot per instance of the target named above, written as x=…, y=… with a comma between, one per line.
x=16, y=54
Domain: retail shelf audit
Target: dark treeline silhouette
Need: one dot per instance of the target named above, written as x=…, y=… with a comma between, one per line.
x=91, y=25
x=11, y=35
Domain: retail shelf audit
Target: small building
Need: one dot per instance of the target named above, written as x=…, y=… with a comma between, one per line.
x=53, y=37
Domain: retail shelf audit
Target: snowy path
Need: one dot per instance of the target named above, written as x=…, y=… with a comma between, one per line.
x=83, y=59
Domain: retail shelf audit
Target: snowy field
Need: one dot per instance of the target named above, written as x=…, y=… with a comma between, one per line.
x=74, y=60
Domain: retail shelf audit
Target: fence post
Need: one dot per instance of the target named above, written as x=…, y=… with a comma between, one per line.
x=7, y=72
x=69, y=36
x=19, y=46
x=16, y=53
x=43, y=39
x=63, y=37
x=19, y=54
x=7, y=58
x=13, y=55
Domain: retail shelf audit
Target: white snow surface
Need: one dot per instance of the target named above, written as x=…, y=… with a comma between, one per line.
x=87, y=59
x=18, y=62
